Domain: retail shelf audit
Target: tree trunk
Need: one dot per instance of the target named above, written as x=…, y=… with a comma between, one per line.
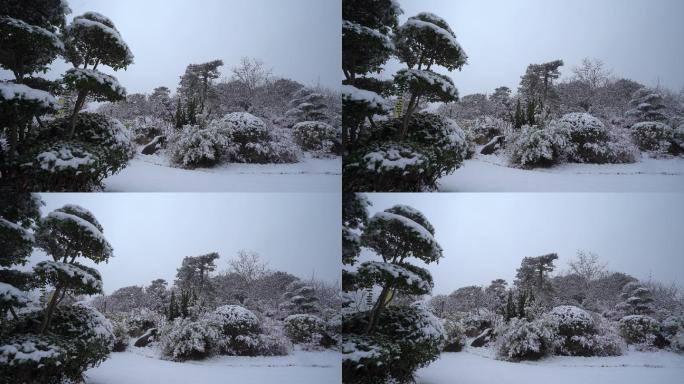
x=50, y=309
x=409, y=111
x=377, y=308
x=77, y=107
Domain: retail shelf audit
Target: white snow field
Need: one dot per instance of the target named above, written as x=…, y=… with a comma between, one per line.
x=298, y=368
x=475, y=367
x=152, y=173
x=490, y=173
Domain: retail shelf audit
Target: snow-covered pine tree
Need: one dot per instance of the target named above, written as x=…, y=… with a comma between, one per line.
x=396, y=234
x=366, y=46
x=29, y=41
x=647, y=105
x=92, y=40
x=423, y=41
x=18, y=214
x=300, y=298
x=536, y=85
x=66, y=234
x=402, y=338
x=532, y=275
x=307, y=105
x=637, y=300
x=61, y=341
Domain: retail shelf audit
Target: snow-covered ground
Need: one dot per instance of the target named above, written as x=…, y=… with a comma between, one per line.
x=475, y=367
x=490, y=173
x=152, y=173
x=135, y=367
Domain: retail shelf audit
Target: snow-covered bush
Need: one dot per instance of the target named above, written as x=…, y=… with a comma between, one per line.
x=477, y=321
x=315, y=136
x=121, y=338
x=305, y=328
x=108, y=135
x=32, y=359
x=63, y=166
x=578, y=334
x=653, y=136
x=454, y=331
x=485, y=128
x=146, y=128
x=235, y=320
x=533, y=146
x=250, y=141
x=587, y=137
x=140, y=320
x=388, y=167
x=521, y=339
x=80, y=330
x=434, y=146
x=406, y=338
x=192, y=146
x=186, y=339
x=677, y=342
x=639, y=329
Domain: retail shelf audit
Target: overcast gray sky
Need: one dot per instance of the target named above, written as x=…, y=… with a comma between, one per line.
x=638, y=39
x=151, y=232
x=486, y=235
x=298, y=39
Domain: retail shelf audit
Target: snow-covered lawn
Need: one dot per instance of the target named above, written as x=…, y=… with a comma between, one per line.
x=489, y=173
x=298, y=368
x=473, y=367
x=153, y=174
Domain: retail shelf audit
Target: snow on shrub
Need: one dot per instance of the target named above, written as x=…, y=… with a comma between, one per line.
x=250, y=141
x=653, y=136
x=677, y=342
x=64, y=166
x=406, y=338
x=139, y=320
x=521, y=339
x=186, y=339
x=579, y=335
x=192, y=146
x=639, y=329
x=32, y=359
x=434, y=146
x=454, y=331
x=587, y=137
x=304, y=328
x=315, y=136
x=121, y=338
x=235, y=320
x=533, y=146
x=108, y=135
x=83, y=332
x=486, y=128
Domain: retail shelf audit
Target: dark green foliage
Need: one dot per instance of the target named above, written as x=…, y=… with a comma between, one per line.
x=407, y=338
x=82, y=333
x=434, y=146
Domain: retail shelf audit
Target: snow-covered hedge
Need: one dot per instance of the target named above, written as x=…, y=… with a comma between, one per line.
x=236, y=137
x=653, y=136
x=305, y=328
x=315, y=136
x=228, y=330
x=587, y=137
x=406, y=338
x=639, y=329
